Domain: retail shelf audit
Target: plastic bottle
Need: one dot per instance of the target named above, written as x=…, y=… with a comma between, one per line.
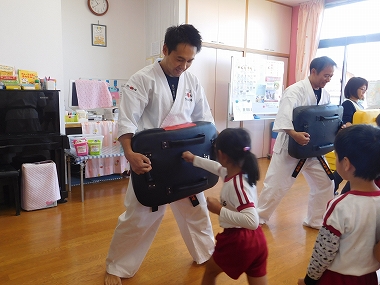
x=37, y=84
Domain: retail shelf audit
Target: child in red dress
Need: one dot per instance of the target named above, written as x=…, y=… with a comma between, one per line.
x=241, y=247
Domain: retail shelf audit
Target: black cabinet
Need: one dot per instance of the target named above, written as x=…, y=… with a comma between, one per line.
x=30, y=130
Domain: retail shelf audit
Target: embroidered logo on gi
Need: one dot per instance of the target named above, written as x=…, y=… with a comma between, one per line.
x=131, y=87
x=188, y=96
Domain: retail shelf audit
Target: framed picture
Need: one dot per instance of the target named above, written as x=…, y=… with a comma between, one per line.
x=99, y=35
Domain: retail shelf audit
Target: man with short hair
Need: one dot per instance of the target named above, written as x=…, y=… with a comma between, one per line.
x=278, y=179
x=160, y=95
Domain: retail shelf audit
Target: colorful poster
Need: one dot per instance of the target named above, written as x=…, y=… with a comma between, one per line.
x=373, y=94
x=256, y=87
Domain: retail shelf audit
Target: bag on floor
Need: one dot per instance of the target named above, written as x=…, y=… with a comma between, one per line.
x=322, y=123
x=172, y=178
x=39, y=185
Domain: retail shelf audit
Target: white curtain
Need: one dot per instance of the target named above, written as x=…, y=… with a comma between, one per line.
x=309, y=26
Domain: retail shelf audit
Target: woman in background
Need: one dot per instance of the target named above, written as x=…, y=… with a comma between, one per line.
x=354, y=92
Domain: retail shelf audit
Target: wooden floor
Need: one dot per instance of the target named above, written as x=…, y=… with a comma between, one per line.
x=68, y=244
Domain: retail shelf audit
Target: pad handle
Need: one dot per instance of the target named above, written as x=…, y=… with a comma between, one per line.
x=324, y=118
x=199, y=139
x=324, y=146
x=201, y=183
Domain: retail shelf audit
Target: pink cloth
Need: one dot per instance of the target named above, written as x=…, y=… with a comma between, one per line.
x=93, y=94
x=108, y=165
x=106, y=128
x=39, y=185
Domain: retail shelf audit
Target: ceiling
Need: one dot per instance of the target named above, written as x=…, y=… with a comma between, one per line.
x=291, y=2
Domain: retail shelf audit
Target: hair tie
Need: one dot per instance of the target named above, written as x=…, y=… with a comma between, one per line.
x=247, y=148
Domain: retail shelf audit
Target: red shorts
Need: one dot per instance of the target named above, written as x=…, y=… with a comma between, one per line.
x=331, y=277
x=240, y=250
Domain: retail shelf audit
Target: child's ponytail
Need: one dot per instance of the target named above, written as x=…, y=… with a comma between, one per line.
x=236, y=143
x=251, y=167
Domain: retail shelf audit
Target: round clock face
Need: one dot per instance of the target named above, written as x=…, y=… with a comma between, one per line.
x=98, y=7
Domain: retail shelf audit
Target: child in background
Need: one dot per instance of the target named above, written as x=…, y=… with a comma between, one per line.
x=377, y=180
x=344, y=250
x=347, y=187
x=241, y=247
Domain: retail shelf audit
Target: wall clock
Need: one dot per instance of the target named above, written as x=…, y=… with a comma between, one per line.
x=98, y=7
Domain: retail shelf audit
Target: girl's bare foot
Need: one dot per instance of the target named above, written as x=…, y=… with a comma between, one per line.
x=110, y=279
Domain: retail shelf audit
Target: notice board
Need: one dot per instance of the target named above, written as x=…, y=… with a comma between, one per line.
x=255, y=88
x=373, y=94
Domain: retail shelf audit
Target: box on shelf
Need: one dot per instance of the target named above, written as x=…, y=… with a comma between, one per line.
x=94, y=147
x=88, y=137
x=71, y=118
x=81, y=147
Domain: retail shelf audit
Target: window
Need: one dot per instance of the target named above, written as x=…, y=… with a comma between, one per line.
x=353, y=42
x=350, y=20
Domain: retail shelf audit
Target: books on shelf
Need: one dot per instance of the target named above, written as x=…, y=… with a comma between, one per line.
x=28, y=86
x=16, y=87
x=6, y=70
x=22, y=79
x=27, y=76
x=10, y=82
x=8, y=77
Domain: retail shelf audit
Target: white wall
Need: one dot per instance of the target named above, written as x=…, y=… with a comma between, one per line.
x=53, y=37
x=31, y=36
x=125, y=51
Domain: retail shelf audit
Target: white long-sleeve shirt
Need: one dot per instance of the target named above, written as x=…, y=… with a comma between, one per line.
x=237, y=197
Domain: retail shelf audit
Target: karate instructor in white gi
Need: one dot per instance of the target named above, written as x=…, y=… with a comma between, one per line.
x=278, y=179
x=160, y=95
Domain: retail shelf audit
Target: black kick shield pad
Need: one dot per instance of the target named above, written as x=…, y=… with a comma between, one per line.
x=322, y=123
x=172, y=178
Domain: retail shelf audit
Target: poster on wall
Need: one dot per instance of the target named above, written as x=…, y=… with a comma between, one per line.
x=256, y=87
x=373, y=94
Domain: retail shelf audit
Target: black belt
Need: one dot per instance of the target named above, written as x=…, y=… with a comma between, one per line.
x=325, y=167
x=193, y=199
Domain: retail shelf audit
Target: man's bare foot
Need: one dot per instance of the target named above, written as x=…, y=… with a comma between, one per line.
x=110, y=279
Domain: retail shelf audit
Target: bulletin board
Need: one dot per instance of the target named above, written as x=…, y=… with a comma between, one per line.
x=256, y=87
x=373, y=94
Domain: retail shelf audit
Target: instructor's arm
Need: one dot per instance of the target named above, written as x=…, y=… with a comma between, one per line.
x=139, y=163
x=301, y=138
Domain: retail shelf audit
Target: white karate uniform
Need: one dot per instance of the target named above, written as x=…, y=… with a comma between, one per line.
x=278, y=179
x=147, y=103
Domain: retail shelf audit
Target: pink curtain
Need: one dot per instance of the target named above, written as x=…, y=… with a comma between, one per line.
x=111, y=162
x=310, y=18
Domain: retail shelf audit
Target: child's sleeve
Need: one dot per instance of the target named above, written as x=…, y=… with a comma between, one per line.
x=325, y=249
x=328, y=240
x=210, y=165
x=247, y=218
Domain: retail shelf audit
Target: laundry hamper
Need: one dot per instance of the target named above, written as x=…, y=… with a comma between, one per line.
x=39, y=185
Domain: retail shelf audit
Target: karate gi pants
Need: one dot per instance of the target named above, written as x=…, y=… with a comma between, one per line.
x=279, y=180
x=138, y=225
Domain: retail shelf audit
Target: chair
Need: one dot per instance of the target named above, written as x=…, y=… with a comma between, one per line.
x=366, y=116
x=10, y=176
